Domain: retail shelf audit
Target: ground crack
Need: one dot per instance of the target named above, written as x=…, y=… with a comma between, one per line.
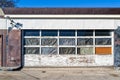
x=31, y=76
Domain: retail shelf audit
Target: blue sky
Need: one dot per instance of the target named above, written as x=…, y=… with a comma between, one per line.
x=68, y=3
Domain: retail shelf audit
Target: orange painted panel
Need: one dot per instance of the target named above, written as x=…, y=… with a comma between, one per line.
x=103, y=50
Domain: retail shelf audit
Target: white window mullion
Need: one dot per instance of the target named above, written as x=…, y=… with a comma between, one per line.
x=112, y=42
x=94, y=42
x=31, y=36
x=40, y=43
x=31, y=45
x=76, y=41
x=58, y=43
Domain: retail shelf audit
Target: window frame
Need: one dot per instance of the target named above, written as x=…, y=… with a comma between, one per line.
x=58, y=37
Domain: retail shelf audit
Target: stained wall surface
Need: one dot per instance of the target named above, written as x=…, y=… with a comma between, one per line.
x=67, y=23
x=69, y=60
x=117, y=48
x=58, y=60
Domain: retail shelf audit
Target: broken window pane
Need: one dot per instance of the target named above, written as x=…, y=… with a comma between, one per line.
x=67, y=33
x=85, y=50
x=31, y=33
x=85, y=33
x=84, y=41
x=49, y=33
x=102, y=33
x=48, y=41
x=32, y=41
x=103, y=41
x=48, y=50
x=66, y=41
x=66, y=50
x=31, y=50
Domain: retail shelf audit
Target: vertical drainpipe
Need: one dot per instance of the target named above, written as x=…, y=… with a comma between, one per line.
x=6, y=51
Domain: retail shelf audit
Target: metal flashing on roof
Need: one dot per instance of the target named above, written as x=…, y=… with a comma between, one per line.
x=60, y=11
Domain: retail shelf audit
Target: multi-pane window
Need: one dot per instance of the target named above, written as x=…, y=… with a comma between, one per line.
x=103, y=42
x=76, y=42
x=31, y=41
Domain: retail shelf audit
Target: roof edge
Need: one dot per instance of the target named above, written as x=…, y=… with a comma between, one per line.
x=65, y=16
x=59, y=11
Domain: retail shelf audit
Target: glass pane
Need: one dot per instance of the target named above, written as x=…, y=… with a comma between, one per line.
x=66, y=41
x=66, y=50
x=84, y=41
x=31, y=33
x=85, y=50
x=49, y=32
x=67, y=32
x=32, y=41
x=31, y=50
x=48, y=50
x=85, y=33
x=103, y=50
x=102, y=33
x=103, y=41
x=48, y=41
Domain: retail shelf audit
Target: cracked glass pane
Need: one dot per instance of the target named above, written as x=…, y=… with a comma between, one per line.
x=31, y=33
x=67, y=50
x=31, y=50
x=32, y=41
x=66, y=41
x=85, y=33
x=49, y=33
x=85, y=50
x=67, y=32
x=103, y=41
x=48, y=41
x=84, y=41
x=102, y=32
x=48, y=50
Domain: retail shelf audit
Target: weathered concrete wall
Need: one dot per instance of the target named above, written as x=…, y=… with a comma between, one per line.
x=67, y=23
x=68, y=60
x=2, y=23
x=117, y=48
x=61, y=60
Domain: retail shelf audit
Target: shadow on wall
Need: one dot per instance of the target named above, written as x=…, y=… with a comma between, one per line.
x=117, y=48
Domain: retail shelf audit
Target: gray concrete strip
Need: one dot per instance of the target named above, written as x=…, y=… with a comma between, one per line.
x=62, y=74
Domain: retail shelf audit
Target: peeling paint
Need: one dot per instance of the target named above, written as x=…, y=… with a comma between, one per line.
x=68, y=60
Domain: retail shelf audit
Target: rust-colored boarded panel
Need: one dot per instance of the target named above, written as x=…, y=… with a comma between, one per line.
x=103, y=50
x=3, y=55
x=14, y=47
